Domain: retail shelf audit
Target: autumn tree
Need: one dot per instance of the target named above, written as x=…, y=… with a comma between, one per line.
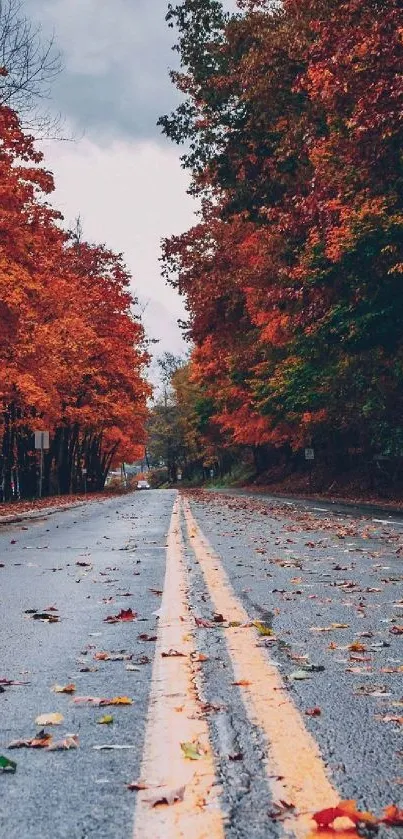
x=292, y=126
x=73, y=350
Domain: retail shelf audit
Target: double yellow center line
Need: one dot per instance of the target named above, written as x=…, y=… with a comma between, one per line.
x=295, y=769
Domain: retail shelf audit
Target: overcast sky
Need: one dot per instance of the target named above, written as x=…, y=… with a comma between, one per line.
x=119, y=174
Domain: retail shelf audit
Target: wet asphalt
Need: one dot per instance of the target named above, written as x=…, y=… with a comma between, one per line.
x=292, y=566
x=78, y=794
x=299, y=570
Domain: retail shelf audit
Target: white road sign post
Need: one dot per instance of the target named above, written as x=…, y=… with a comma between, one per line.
x=41, y=443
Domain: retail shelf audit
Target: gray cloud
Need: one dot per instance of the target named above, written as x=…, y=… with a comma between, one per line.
x=117, y=54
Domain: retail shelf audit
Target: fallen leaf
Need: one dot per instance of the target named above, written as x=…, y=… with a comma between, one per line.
x=107, y=719
x=44, y=616
x=166, y=796
x=173, y=654
x=280, y=810
x=262, y=628
x=200, y=657
x=192, y=751
x=137, y=785
x=204, y=623
x=145, y=637
x=124, y=615
x=49, y=719
x=357, y=647
x=104, y=656
x=299, y=675
x=396, y=630
x=40, y=741
x=392, y=816
x=243, y=683
x=344, y=809
x=7, y=765
x=66, y=689
x=330, y=628
x=117, y=700
x=313, y=712
x=69, y=742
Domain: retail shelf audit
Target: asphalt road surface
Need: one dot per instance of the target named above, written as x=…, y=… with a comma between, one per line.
x=263, y=664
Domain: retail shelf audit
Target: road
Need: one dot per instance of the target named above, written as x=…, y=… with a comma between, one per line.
x=263, y=665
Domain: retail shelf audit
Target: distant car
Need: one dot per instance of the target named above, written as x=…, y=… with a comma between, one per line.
x=143, y=485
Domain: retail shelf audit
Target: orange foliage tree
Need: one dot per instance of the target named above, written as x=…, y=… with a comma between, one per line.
x=73, y=350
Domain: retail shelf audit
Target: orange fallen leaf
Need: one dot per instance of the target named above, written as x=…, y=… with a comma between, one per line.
x=42, y=740
x=393, y=816
x=344, y=809
x=243, y=683
x=66, y=689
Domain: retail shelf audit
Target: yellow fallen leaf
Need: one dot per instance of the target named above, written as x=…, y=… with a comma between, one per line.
x=192, y=751
x=107, y=719
x=262, y=628
x=49, y=719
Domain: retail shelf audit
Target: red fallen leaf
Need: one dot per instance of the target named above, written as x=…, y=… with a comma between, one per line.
x=396, y=630
x=392, y=816
x=344, y=809
x=124, y=615
x=326, y=817
x=204, y=623
x=145, y=637
x=313, y=712
x=173, y=654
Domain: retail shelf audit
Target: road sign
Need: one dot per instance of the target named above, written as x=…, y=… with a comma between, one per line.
x=41, y=439
x=309, y=454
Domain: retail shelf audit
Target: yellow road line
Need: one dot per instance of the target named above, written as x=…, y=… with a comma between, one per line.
x=295, y=769
x=175, y=717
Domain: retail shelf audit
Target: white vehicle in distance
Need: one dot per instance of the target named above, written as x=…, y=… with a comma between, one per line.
x=143, y=485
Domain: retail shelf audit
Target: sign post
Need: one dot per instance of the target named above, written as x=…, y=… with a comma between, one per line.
x=41, y=443
x=310, y=457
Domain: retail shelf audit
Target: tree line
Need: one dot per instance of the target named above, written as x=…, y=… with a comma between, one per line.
x=291, y=121
x=72, y=349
